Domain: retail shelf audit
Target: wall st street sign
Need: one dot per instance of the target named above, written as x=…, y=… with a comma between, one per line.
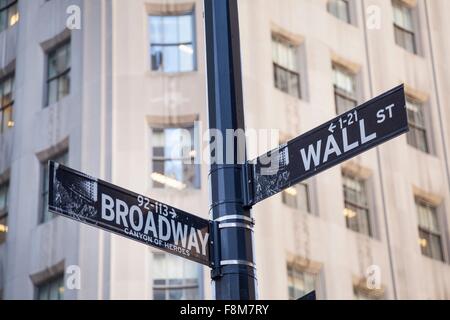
x=340, y=139
x=97, y=203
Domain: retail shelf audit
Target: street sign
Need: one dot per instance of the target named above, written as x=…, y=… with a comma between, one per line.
x=340, y=139
x=98, y=203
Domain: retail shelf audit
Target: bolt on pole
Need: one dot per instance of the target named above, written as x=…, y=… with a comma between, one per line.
x=233, y=273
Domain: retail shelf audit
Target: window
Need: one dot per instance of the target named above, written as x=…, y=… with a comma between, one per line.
x=344, y=89
x=46, y=215
x=285, y=66
x=4, y=188
x=403, y=26
x=9, y=15
x=173, y=164
x=340, y=9
x=300, y=282
x=429, y=232
x=52, y=289
x=172, y=42
x=175, y=278
x=297, y=197
x=6, y=103
x=417, y=135
x=58, y=73
x=356, y=208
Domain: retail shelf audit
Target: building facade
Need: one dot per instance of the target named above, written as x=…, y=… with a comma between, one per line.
x=110, y=99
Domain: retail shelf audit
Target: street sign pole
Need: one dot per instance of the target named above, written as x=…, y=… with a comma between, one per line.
x=233, y=273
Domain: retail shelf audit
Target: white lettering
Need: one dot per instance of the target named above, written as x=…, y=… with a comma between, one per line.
x=380, y=116
x=179, y=233
x=162, y=236
x=121, y=212
x=193, y=241
x=389, y=108
x=136, y=227
x=107, y=205
x=345, y=141
x=314, y=154
x=203, y=241
x=150, y=225
x=332, y=147
x=364, y=138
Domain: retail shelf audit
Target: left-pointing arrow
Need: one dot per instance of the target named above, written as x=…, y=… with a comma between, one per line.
x=332, y=127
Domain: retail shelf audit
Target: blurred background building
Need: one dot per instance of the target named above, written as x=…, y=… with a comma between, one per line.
x=109, y=99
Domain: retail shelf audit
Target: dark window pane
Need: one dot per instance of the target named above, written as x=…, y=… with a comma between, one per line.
x=8, y=14
x=58, y=73
x=340, y=9
x=159, y=294
x=3, y=20
x=405, y=39
x=3, y=227
x=7, y=118
x=175, y=294
x=13, y=15
x=175, y=282
x=6, y=103
x=51, y=290
x=287, y=81
x=191, y=294
x=356, y=209
x=300, y=282
x=417, y=135
x=52, y=91
x=429, y=230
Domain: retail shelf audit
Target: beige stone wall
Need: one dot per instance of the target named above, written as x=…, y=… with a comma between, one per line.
x=107, y=120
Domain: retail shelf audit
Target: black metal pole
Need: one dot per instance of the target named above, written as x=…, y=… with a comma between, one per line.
x=233, y=273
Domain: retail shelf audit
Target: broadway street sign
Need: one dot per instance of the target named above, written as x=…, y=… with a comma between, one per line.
x=340, y=139
x=97, y=203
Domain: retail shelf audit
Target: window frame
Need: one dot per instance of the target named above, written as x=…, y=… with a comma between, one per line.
x=289, y=74
x=166, y=287
x=47, y=283
x=403, y=30
x=308, y=207
x=164, y=159
x=348, y=11
x=4, y=210
x=440, y=234
x=344, y=94
x=193, y=43
x=295, y=270
x=10, y=76
x=414, y=127
x=7, y=8
x=365, y=207
x=53, y=50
